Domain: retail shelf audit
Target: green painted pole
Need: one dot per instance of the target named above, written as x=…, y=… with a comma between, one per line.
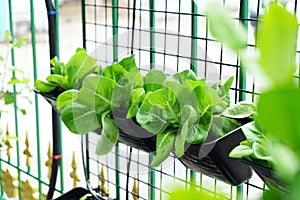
x=115, y=18
x=242, y=75
x=15, y=93
x=33, y=46
x=152, y=66
x=194, y=63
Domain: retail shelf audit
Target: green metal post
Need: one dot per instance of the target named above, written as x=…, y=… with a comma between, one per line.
x=194, y=30
x=194, y=63
x=242, y=75
x=33, y=44
x=61, y=163
x=115, y=17
x=15, y=101
x=152, y=66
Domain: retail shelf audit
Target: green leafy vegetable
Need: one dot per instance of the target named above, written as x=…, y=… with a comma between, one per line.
x=164, y=146
x=65, y=98
x=240, y=110
x=154, y=80
x=68, y=76
x=75, y=116
x=109, y=135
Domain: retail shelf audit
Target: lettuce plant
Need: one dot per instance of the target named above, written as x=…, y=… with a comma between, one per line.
x=178, y=109
x=68, y=76
x=183, y=109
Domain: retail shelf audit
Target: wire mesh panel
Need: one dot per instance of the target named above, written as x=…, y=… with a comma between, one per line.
x=170, y=35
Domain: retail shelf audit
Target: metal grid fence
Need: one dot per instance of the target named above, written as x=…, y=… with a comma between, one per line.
x=171, y=35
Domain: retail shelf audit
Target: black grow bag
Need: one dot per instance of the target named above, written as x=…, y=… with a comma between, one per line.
x=212, y=158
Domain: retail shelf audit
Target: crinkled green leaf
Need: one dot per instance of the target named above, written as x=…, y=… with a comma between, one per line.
x=44, y=87
x=224, y=91
x=57, y=66
x=240, y=110
x=96, y=92
x=80, y=118
x=134, y=77
x=277, y=40
x=152, y=118
x=180, y=140
x=251, y=132
x=121, y=95
x=241, y=151
x=197, y=133
x=154, y=80
x=223, y=125
x=65, y=98
x=192, y=84
x=164, y=146
x=185, y=75
x=129, y=63
x=109, y=135
x=78, y=67
x=115, y=72
x=167, y=99
x=136, y=98
x=190, y=114
x=59, y=80
x=260, y=151
x=204, y=97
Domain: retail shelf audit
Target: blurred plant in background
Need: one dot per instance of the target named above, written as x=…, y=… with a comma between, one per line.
x=10, y=76
x=278, y=106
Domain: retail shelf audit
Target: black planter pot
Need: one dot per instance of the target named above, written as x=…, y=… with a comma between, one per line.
x=268, y=176
x=212, y=158
x=51, y=97
x=131, y=133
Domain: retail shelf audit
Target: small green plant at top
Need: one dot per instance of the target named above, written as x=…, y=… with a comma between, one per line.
x=68, y=76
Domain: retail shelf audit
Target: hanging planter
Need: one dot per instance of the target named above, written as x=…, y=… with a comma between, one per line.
x=252, y=151
x=211, y=158
x=156, y=113
x=131, y=133
x=268, y=176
